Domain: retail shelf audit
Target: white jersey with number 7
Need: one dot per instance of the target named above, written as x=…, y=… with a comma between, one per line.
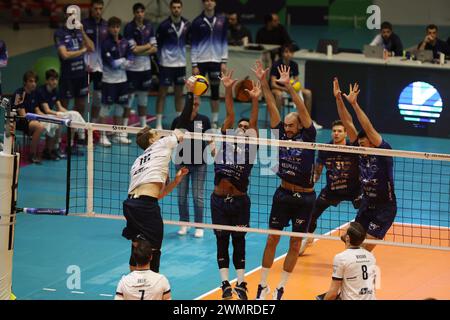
x=142, y=285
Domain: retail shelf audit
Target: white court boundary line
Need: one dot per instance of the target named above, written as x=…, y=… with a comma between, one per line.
x=258, y=268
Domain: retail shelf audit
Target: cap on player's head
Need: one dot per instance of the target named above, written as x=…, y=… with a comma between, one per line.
x=143, y=138
x=142, y=252
x=356, y=233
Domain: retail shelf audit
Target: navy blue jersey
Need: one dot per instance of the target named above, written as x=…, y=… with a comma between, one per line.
x=342, y=170
x=295, y=165
x=377, y=177
x=97, y=32
x=195, y=147
x=137, y=36
x=73, y=41
x=29, y=103
x=234, y=162
x=3, y=57
x=49, y=97
x=172, y=39
x=292, y=64
x=209, y=39
x=115, y=56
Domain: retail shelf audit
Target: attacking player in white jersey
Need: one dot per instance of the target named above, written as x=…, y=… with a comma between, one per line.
x=354, y=270
x=149, y=182
x=143, y=283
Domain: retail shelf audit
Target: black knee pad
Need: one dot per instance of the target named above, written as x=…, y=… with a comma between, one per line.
x=239, y=250
x=223, y=242
x=215, y=90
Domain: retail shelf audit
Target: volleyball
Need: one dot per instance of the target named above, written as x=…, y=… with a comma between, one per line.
x=296, y=85
x=201, y=85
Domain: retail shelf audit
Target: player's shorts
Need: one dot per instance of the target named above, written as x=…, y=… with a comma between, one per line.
x=73, y=88
x=376, y=219
x=230, y=211
x=291, y=206
x=333, y=198
x=23, y=125
x=96, y=79
x=171, y=76
x=143, y=217
x=139, y=80
x=114, y=93
x=212, y=70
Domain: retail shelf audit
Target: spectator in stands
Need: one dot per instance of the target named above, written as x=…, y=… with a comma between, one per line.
x=143, y=283
x=388, y=40
x=117, y=56
x=190, y=154
x=25, y=100
x=97, y=30
x=279, y=91
x=72, y=46
x=238, y=34
x=209, y=50
x=48, y=9
x=50, y=104
x=273, y=32
x=140, y=34
x=3, y=60
x=432, y=42
x=172, y=36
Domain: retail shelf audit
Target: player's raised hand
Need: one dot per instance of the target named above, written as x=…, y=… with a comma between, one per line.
x=227, y=79
x=259, y=71
x=190, y=83
x=352, y=96
x=181, y=173
x=285, y=75
x=336, y=89
x=18, y=100
x=255, y=93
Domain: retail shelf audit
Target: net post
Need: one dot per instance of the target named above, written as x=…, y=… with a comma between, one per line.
x=90, y=170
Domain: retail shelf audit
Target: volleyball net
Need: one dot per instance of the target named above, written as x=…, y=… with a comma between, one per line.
x=98, y=184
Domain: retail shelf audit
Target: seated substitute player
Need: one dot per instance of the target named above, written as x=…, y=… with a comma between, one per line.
x=26, y=101
x=141, y=36
x=116, y=56
x=294, y=199
x=50, y=104
x=379, y=204
x=342, y=175
x=143, y=283
x=230, y=203
x=149, y=183
x=354, y=270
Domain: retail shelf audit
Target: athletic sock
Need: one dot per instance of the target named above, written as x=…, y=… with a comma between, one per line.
x=224, y=274
x=264, y=275
x=284, y=279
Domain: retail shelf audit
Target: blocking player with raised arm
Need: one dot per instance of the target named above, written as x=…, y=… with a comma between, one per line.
x=149, y=183
x=354, y=270
x=143, y=283
x=379, y=204
x=141, y=36
x=294, y=199
x=172, y=36
x=342, y=172
x=209, y=50
x=230, y=203
x=96, y=29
